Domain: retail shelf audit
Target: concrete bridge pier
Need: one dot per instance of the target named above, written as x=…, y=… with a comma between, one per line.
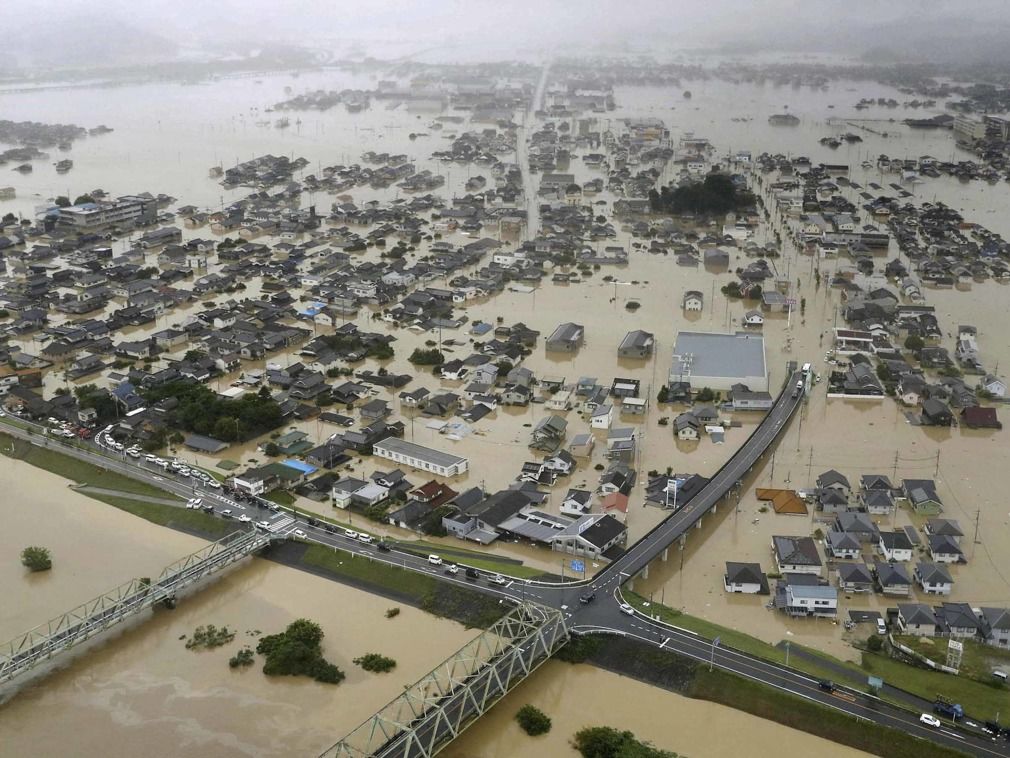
x=682, y=540
x=666, y=552
x=645, y=572
x=698, y=525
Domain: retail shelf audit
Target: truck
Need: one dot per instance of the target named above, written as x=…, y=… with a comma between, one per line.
x=944, y=707
x=798, y=388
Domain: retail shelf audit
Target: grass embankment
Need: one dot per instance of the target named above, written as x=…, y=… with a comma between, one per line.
x=746, y=643
x=84, y=473
x=982, y=701
x=174, y=517
x=484, y=561
x=691, y=678
x=768, y=703
x=979, y=699
x=467, y=606
x=53, y=460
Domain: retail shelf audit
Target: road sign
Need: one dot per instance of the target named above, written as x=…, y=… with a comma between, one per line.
x=578, y=565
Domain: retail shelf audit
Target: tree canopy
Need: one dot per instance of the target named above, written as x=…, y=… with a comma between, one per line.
x=607, y=742
x=203, y=411
x=716, y=194
x=36, y=558
x=296, y=652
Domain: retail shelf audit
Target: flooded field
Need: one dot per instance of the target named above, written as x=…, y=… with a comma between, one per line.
x=145, y=687
x=576, y=697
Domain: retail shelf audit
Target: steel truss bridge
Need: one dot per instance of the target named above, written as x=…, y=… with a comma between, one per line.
x=36, y=646
x=440, y=705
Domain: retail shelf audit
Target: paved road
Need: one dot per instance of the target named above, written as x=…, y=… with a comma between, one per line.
x=604, y=613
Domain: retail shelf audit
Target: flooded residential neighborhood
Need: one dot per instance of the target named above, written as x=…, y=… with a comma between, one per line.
x=358, y=393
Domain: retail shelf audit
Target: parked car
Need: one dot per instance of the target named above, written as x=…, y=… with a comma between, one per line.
x=435, y=560
x=930, y=720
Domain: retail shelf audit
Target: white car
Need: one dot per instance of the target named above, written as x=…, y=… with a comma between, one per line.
x=214, y=484
x=151, y=458
x=627, y=609
x=930, y=720
x=298, y=533
x=452, y=568
x=498, y=579
x=263, y=524
x=435, y=560
x=183, y=471
x=244, y=519
x=365, y=539
x=226, y=513
x=350, y=534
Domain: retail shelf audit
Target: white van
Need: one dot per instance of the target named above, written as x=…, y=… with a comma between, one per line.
x=1000, y=675
x=434, y=560
x=806, y=369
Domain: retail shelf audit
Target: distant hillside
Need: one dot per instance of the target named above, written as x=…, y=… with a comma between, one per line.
x=84, y=41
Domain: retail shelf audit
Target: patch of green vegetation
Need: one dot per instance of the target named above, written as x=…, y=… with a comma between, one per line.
x=607, y=742
x=533, y=721
x=35, y=558
x=281, y=497
x=743, y=642
x=746, y=695
x=979, y=700
x=209, y=637
x=580, y=649
x=466, y=606
x=376, y=663
x=474, y=558
x=82, y=472
x=392, y=613
x=977, y=661
x=241, y=659
x=172, y=516
x=297, y=651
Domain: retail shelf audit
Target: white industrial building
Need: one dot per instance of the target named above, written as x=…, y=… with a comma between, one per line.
x=719, y=360
x=420, y=457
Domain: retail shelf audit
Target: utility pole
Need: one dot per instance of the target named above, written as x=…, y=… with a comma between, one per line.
x=936, y=473
x=810, y=462
x=773, y=467
x=894, y=470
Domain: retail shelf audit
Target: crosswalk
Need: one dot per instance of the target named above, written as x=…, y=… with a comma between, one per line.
x=279, y=524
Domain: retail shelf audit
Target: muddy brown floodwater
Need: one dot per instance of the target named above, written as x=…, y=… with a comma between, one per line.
x=579, y=696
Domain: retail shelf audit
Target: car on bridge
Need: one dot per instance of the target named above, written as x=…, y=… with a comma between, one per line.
x=498, y=579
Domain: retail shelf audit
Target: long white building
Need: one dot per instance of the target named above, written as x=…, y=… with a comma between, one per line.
x=420, y=457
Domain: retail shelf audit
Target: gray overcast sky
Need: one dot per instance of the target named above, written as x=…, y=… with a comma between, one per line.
x=523, y=24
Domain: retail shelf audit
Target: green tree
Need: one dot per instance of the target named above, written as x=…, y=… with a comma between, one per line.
x=705, y=395
x=422, y=357
x=376, y=663
x=883, y=372
x=533, y=720
x=194, y=355
x=62, y=201
x=36, y=558
x=874, y=643
x=607, y=742
x=80, y=199
x=716, y=194
x=296, y=652
x=271, y=449
x=664, y=394
x=914, y=342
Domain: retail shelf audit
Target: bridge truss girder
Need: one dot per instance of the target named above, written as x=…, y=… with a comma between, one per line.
x=440, y=705
x=80, y=624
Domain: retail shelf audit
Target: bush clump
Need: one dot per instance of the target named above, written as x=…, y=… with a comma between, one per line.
x=376, y=663
x=209, y=636
x=533, y=720
x=242, y=658
x=297, y=651
x=36, y=558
